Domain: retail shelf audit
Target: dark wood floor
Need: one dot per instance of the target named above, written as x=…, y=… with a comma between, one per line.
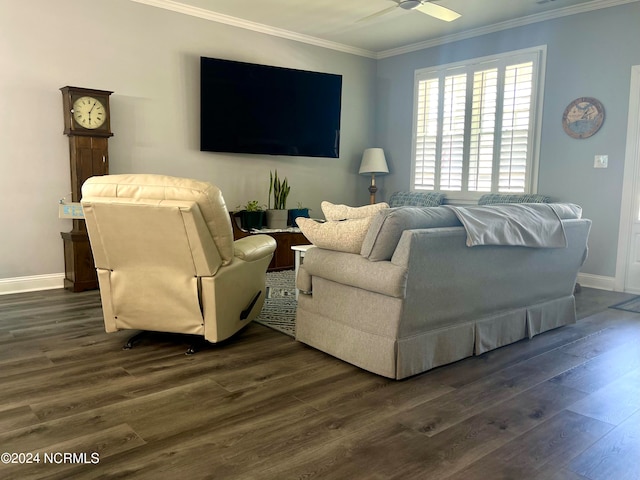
x=565, y=405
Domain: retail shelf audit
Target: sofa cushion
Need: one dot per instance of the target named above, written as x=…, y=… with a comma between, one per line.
x=416, y=199
x=334, y=212
x=387, y=226
x=343, y=236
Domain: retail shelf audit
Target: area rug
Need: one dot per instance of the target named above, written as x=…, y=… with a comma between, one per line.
x=632, y=305
x=279, y=309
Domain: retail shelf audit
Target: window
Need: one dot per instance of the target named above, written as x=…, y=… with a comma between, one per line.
x=475, y=125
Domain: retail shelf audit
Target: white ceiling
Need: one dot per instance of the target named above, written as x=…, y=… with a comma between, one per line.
x=335, y=23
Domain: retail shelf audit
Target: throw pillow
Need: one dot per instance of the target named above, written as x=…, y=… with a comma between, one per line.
x=416, y=199
x=344, y=212
x=344, y=236
x=493, y=198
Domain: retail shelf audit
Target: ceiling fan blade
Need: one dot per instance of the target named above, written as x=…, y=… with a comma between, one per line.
x=438, y=11
x=377, y=14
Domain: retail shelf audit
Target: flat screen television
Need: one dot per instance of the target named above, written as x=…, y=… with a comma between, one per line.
x=250, y=108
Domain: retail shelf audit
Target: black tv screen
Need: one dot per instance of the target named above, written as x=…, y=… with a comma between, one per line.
x=249, y=108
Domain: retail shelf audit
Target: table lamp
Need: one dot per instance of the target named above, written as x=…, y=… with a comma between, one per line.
x=373, y=162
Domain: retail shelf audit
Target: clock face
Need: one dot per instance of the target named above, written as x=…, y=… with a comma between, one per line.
x=89, y=112
x=583, y=117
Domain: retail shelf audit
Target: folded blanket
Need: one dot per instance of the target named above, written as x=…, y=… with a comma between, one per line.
x=526, y=225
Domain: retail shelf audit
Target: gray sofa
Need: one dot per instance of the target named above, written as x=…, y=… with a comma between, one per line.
x=417, y=296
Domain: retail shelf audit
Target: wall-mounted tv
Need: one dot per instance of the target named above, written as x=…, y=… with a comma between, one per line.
x=249, y=108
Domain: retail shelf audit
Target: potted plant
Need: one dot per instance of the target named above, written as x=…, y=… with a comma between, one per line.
x=297, y=212
x=278, y=215
x=252, y=215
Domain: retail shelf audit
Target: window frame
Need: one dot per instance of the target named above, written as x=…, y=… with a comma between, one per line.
x=538, y=56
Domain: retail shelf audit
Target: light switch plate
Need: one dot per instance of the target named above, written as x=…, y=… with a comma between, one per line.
x=601, y=161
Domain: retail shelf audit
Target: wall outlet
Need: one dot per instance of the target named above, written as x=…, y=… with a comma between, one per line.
x=601, y=161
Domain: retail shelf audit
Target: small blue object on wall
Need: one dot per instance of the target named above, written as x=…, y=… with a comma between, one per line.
x=70, y=210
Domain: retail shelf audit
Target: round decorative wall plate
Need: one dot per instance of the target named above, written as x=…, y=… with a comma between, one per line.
x=583, y=117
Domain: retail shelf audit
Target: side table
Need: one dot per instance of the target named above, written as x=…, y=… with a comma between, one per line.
x=299, y=251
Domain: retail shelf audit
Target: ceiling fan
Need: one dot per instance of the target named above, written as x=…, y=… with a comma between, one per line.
x=427, y=7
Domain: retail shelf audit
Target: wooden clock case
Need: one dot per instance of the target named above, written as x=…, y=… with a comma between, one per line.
x=89, y=156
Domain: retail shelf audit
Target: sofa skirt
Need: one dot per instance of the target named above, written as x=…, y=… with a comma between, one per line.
x=403, y=357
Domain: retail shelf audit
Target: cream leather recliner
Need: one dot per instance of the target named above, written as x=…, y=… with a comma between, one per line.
x=166, y=259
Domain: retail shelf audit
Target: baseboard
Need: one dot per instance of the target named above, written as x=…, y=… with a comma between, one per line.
x=32, y=283
x=56, y=280
x=596, y=281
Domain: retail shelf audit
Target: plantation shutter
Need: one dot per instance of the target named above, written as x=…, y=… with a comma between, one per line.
x=483, y=124
x=474, y=126
x=452, y=137
x=426, y=134
x=514, y=149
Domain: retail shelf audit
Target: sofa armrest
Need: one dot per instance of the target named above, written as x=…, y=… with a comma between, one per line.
x=254, y=247
x=354, y=270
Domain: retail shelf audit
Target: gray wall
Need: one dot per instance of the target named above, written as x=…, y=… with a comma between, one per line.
x=589, y=54
x=150, y=58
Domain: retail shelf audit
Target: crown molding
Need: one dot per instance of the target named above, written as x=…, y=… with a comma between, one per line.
x=255, y=27
x=205, y=14
x=497, y=27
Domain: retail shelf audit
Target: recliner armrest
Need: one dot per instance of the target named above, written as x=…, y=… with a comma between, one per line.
x=254, y=247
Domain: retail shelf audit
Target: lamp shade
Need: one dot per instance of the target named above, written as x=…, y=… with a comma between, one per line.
x=373, y=161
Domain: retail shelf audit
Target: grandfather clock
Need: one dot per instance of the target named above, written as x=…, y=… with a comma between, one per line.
x=88, y=126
